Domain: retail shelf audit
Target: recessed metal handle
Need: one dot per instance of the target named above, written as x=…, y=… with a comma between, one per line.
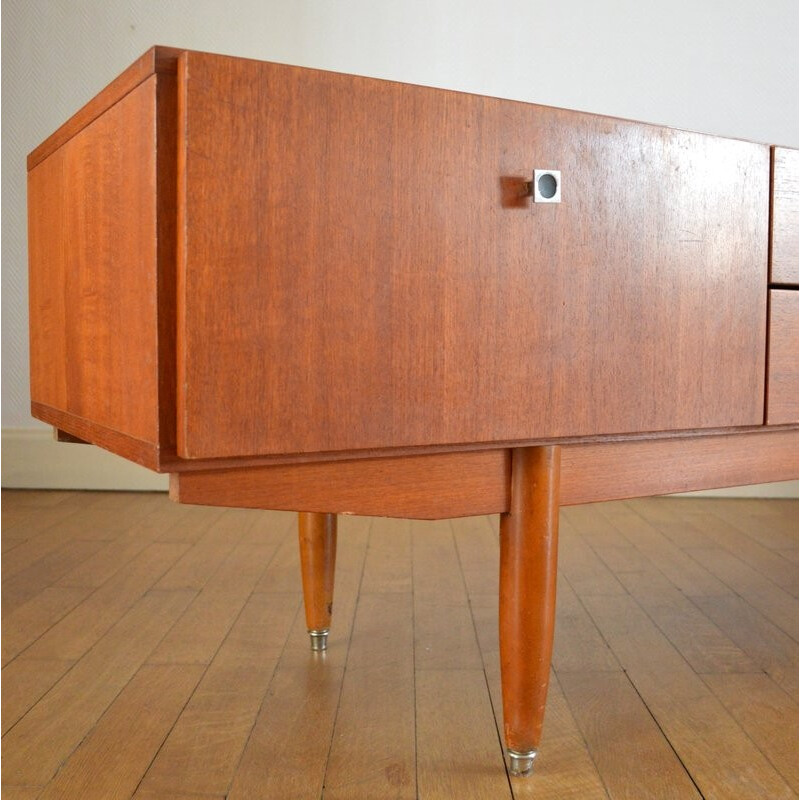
x=545, y=186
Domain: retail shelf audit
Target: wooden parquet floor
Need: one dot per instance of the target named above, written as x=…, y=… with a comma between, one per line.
x=159, y=651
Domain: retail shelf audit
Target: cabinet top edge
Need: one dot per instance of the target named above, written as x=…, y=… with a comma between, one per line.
x=164, y=60
x=157, y=59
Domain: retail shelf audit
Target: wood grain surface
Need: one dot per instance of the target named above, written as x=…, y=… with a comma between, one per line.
x=317, y=540
x=102, y=276
x=419, y=487
x=156, y=60
x=528, y=565
x=142, y=452
x=463, y=484
x=166, y=241
x=666, y=659
x=356, y=269
x=782, y=383
x=612, y=471
x=784, y=242
x=92, y=288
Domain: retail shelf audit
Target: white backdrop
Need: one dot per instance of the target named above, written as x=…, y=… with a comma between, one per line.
x=728, y=67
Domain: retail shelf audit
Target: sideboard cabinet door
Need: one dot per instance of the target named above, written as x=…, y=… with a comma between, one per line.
x=358, y=268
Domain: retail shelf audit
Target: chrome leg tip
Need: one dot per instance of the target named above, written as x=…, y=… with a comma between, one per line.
x=520, y=765
x=319, y=640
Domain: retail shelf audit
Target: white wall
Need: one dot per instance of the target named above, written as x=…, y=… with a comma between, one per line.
x=722, y=66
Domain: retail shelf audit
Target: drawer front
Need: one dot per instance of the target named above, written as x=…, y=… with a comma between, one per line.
x=92, y=279
x=782, y=384
x=357, y=268
x=784, y=223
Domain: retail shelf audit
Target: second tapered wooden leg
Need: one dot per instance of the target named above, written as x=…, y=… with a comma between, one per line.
x=317, y=533
x=528, y=559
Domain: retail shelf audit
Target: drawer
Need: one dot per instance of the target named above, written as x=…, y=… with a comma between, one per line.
x=783, y=267
x=782, y=383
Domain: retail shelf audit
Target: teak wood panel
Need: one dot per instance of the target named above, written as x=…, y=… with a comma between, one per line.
x=463, y=484
x=157, y=59
x=600, y=471
x=784, y=251
x=782, y=379
x=94, y=337
x=417, y=487
x=357, y=268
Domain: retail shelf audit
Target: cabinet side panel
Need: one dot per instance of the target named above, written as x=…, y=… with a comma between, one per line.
x=92, y=268
x=360, y=269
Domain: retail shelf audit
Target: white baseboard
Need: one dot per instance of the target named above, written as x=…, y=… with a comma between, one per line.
x=32, y=459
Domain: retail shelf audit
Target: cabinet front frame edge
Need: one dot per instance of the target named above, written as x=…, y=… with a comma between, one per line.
x=157, y=59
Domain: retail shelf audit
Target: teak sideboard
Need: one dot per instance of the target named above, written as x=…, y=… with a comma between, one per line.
x=296, y=289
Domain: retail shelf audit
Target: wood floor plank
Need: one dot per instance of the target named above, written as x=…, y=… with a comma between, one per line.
x=198, y=634
x=189, y=523
x=373, y=750
x=584, y=570
x=281, y=574
x=458, y=750
x=25, y=585
x=773, y=524
x=25, y=683
x=766, y=644
x=20, y=792
x=45, y=737
x=201, y=752
x=34, y=498
x=29, y=621
x=589, y=522
x=108, y=515
x=683, y=571
x=622, y=736
x=33, y=522
x=202, y=560
x=578, y=645
x=704, y=529
x=127, y=737
x=288, y=748
x=79, y=630
x=477, y=544
x=759, y=591
x=114, y=555
x=693, y=634
x=766, y=713
x=387, y=567
x=444, y=633
x=437, y=572
x=105, y=563
x=696, y=723
x=148, y=795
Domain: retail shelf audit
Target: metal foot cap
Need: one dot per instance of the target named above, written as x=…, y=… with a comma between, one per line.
x=521, y=764
x=319, y=640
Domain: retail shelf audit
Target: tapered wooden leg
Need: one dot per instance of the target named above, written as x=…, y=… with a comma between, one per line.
x=317, y=534
x=528, y=558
